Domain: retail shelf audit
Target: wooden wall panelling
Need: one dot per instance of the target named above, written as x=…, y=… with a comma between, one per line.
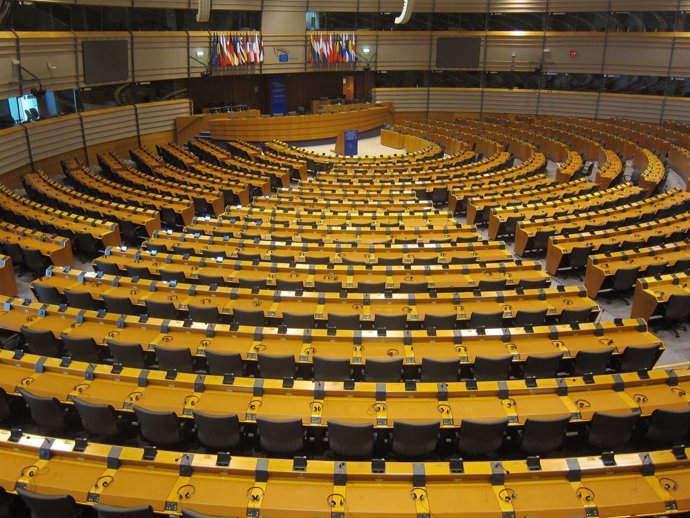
x=680, y=65
x=276, y=44
x=160, y=116
x=589, y=52
x=50, y=56
x=677, y=108
x=14, y=151
x=9, y=81
x=398, y=50
x=642, y=107
x=160, y=55
x=57, y=136
x=510, y=101
x=405, y=99
x=499, y=48
x=552, y=102
x=450, y=99
x=174, y=4
x=235, y=5
x=638, y=54
x=109, y=130
x=199, y=40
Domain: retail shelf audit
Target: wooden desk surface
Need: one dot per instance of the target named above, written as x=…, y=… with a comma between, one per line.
x=650, y=292
x=8, y=284
x=57, y=248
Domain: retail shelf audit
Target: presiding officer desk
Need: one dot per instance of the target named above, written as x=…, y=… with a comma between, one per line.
x=172, y=482
x=602, y=268
x=56, y=248
x=559, y=248
x=333, y=253
x=652, y=292
x=462, y=345
x=414, y=305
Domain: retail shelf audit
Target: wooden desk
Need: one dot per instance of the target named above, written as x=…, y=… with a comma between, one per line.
x=300, y=127
x=652, y=292
x=57, y=248
x=602, y=268
x=8, y=284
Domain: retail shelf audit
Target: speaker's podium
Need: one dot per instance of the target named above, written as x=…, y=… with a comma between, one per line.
x=346, y=142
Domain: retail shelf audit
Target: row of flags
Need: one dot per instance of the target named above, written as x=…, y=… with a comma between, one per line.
x=229, y=49
x=332, y=47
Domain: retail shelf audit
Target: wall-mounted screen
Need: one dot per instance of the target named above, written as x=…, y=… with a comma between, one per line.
x=458, y=52
x=105, y=61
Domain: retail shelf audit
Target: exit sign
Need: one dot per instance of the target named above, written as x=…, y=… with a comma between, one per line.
x=573, y=53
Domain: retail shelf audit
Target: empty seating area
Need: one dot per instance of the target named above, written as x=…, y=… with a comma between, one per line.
x=240, y=328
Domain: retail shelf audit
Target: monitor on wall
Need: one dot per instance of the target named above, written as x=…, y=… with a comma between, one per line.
x=458, y=52
x=105, y=61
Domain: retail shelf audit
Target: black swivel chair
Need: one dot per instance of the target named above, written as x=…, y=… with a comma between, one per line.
x=159, y=428
x=80, y=299
x=383, y=370
x=439, y=371
x=481, y=437
x=280, y=436
x=249, y=317
x=592, y=362
x=541, y=436
x=127, y=354
x=41, y=342
x=331, y=369
x=49, y=506
x=415, y=439
x=218, y=432
x=46, y=412
x=610, y=431
x=276, y=366
x=83, y=349
x=668, y=427
x=492, y=368
x=351, y=440
x=178, y=359
x=99, y=420
x=222, y=363
x=542, y=366
x=111, y=511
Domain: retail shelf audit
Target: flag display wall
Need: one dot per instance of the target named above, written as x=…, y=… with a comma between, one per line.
x=332, y=47
x=232, y=49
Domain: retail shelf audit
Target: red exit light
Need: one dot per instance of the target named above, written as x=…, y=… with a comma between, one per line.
x=573, y=53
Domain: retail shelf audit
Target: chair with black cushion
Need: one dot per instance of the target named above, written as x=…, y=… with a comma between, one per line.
x=462, y=260
x=492, y=368
x=35, y=261
x=675, y=312
x=119, y=305
x=276, y=366
x=607, y=247
x=14, y=251
x=46, y=412
x=161, y=248
x=655, y=269
x=479, y=437
x=159, y=428
x=592, y=362
x=635, y=358
x=491, y=319
x=249, y=317
x=205, y=314
x=49, y=506
x=540, y=240
x=218, y=432
x=682, y=265
x=207, y=280
x=371, y=287
x=624, y=283
x=327, y=286
x=383, y=370
x=440, y=321
x=316, y=259
x=127, y=354
x=252, y=284
x=541, y=436
x=223, y=363
x=353, y=262
x=610, y=431
x=425, y=261
x=389, y=261
x=81, y=348
x=331, y=369
x=289, y=285
x=5, y=410
x=183, y=250
x=99, y=420
x=344, y=321
x=106, y=267
x=575, y=316
x=214, y=254
x=439, y=370
x=525, y=317
x=80, y=299
x=161, y=309
x=668, y=427
x=111, y=511
x=492, y=284
x=414, y=287
x=354, y=440
x=299, y=320
x=534, y=284
x=578, y=259
x=41, y=342
x=47, y=294
x=177, y=276
x=282, y=258
x=415, y=439
x=390, y=322
x=138, y=271
x=542, y=366
x=88, y=244
x=178, y=359
x=280, y=436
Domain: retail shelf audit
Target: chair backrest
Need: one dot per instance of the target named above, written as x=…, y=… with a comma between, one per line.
x=158, y=428
x=105, y=267
x=668, y=426
x=575, y=316
x=280, y=435
x=534, y=284
x=249, y=317
x=121, y=305
x=46, y=412
x=299, y=320
x=97, y=419
x=289, y=285
x=206, y=314
x=208, y=280
x=173, y=275
x=486, y=319
x=128, y=354
x=41, y=342
x=371, y=287
x=35, y=261
x=251, y=283
x=179, y=359
x=348, y=321
x=677, y=307
x=161, y=309
x=80, y=299
x=327, y=286
x=625, y=278
x=525, y=317
x=414, y=287
x=390, y=322
x=541, y=436
x=219, y=432
x=439, y=370
x=383, y=370
x=111, y=511
x=47, y=294
x=48, y=506
x=222, y=363
x=492, y=368
x=481, y=437
x=594, y=362
x=276, y=366
x=331, y=369
x=609, y=431
x=189, y=513
x=15, y=253
x=138, y=271
x=492, y=284
x=440, y=321
x=415, y=439
x=636, y=358
x=655, y=269
x=579, y=255
x=351, y=440
x=542, y=366
x=79, y=348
